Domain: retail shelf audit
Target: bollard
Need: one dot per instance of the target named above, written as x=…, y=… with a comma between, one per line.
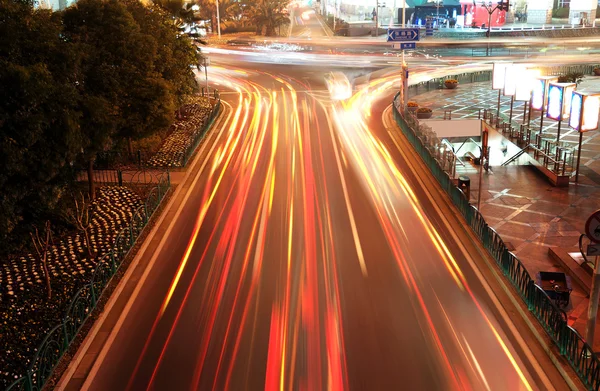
x=464, y=184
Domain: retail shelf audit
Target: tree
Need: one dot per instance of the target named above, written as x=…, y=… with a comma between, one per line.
x=135, y=65
x=175, y=54
x=41, y=251
x=269, y=15
x=39, y=117
x=80, y=216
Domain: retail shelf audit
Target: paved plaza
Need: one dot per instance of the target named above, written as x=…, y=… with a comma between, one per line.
x=518, y=201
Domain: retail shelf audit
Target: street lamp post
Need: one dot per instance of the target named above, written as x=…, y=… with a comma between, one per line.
x=490, y=8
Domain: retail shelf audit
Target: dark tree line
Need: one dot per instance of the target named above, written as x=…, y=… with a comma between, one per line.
x=75, y=83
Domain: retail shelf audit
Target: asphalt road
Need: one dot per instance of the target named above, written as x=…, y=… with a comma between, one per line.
x=306, y=259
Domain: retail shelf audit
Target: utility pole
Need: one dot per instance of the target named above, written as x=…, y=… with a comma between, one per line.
x=503, y=5
x=376, y=17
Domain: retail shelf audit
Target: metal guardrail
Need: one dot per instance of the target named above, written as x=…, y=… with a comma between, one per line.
x=58, y=340
x=570, y=343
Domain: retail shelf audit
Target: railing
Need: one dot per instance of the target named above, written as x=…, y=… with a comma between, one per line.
x=101, y=176
x=571, y=345
x=200, y=135
x=58, y=340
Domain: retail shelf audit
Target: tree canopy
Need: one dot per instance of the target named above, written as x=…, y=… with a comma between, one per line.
x=75, y=83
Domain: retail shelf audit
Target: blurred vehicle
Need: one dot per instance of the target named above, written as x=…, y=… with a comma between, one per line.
x=338, y=85
x=307, y=14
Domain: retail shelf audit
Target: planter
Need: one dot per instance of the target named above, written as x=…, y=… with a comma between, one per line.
x=412, y=109
x=451, y=86
x=597, y=71
x=424, y=115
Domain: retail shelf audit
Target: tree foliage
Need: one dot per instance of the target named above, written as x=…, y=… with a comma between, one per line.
x=268, y=15
x=77, y=82
x=39, y=115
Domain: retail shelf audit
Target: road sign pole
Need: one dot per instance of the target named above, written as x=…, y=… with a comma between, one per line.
x=403, y=26
x=593, y=305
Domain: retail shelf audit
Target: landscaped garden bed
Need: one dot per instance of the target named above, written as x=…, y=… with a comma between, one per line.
x=26, y=313
x=184, y=134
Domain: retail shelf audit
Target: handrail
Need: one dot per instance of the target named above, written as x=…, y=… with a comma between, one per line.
x=518, y=154
x=554, y=321
x=58, y=340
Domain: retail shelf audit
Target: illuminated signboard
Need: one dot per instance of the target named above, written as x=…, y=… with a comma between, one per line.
x=498, y=75
x=511, y=77
x=569, y=89
x=555, y=102
x=559, y=100
x=524, y=85
x=576, y=106
x=585, y=109
x=539, y=92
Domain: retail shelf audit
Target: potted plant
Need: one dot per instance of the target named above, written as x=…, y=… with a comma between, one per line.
x=424, y=112
x=412, y=106
x=451, y=84
x=597, y=71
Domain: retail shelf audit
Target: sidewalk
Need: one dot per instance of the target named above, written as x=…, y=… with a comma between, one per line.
x=528, y=212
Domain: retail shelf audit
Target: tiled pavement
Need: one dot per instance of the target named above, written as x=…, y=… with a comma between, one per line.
x=528, y=212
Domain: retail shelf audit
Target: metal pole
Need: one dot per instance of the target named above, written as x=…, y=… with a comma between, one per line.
x=578, y=159
x=334, y=14
x=542, y=121
x=529, y=116
x=558, y=134
x=593, y=305
x=480, y=165
x=403, y=25
x=512, y=100
x=206, y=75
x=218, y=20
x=376, y=18
x=524, y=111
x=498, y=111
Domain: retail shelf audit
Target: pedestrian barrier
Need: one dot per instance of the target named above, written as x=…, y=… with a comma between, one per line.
x=570, y=343
x=58, y=340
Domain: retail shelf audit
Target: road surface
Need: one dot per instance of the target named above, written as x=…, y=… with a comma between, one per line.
x=304, y=259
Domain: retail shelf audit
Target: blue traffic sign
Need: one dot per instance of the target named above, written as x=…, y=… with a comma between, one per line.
x=406, y=35
x=408, y=45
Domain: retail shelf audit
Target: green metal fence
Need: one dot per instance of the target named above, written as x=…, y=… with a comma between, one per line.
x=571, y=345
x=58, y=340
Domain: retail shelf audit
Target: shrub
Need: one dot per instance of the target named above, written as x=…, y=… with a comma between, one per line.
x=412, y=104
x=573, y=77
x=424, y=110
x=451, y=81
